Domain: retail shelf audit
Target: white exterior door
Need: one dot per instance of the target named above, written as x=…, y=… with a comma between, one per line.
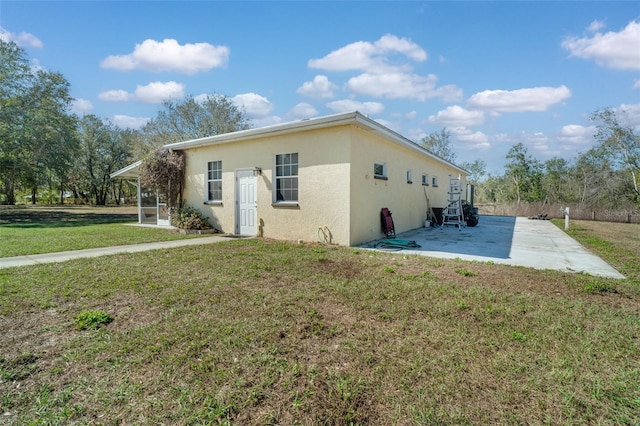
x=246, y=203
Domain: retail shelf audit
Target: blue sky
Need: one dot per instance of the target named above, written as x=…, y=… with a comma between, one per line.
x=493, y=73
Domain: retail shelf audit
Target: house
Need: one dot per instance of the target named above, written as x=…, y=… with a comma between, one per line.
x=324, y=178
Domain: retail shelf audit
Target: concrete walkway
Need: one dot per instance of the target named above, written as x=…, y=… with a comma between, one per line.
x=34, y=259
x=516, y=241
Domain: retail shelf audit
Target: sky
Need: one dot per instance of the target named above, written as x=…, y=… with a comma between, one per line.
x=493, y=73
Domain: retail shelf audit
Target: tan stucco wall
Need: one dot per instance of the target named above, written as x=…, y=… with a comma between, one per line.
x=323, y=199
x=337, y=190
x=407, y=202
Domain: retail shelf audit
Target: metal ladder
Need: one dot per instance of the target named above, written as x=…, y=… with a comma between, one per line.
x=453, y=214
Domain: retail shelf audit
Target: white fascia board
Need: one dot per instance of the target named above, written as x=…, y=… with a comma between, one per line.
x=131, y=171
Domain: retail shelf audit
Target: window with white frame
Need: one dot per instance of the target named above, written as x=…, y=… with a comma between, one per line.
x=214, y=181
x=434, y=181
x=286, y=178
x=379, y=170
x=425, y=179
x=409, y=176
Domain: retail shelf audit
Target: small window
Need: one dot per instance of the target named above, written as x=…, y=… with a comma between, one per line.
x=214, y=181
x=425, y=179
x=434, y=181
x=286, y=178
x=379, y=170
x=409, y=177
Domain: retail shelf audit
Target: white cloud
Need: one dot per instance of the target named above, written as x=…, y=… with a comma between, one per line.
x=266, y=121
x=347, y=105
x=617, y=50
x=256, y=106
x=127, y=122
x=157, y=92
x=576, y=135
x=456, y=116
x=21, y=39
x=532, y=99
x=168, y=55
x=114, y=96
x=470, y=139
x=81, y=106
x=402, y=85
x=153, y=93
x=595, y=26
x=416, y=134
x=371, y=57
x=320, y=87
x=301, y=111
x=636, y=83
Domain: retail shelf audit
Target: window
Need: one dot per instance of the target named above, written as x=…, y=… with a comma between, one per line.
x=425, y=179
x=214, y=181
x=409, y=176
x=286, y=178
x=434, y=181
x=379, y=170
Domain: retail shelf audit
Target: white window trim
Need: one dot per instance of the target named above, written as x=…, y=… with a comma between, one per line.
x=425, y=179
x=409, y=176
x=274, y=201
x=434, y=181
x=213, y=201
x=384, y=170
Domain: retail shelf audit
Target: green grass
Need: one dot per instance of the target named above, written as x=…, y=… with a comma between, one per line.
x=53, y=231
x=262, y=332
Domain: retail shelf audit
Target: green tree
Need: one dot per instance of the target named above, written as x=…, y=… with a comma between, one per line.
x=15, y=79
x=622, y=145
x=48, y=131
x=525, y=174
x=103, y=149
x=192, y=119
x=35, y=126
x=440, y=144
x=556, y=180
x=597, y=183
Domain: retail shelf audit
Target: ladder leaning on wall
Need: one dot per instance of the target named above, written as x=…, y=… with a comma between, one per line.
x=453, y=214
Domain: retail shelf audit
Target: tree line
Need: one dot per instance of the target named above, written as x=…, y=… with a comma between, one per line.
x=48, y=153
x=606, y=176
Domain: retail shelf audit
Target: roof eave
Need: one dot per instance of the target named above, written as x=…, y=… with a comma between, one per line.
x=132, y=171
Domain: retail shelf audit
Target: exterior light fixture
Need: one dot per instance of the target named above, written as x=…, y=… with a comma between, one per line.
x=257, y=171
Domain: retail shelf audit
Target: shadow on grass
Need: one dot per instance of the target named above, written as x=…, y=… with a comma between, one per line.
x=29, y=218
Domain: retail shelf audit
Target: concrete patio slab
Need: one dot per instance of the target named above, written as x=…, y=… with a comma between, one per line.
x=516, y=241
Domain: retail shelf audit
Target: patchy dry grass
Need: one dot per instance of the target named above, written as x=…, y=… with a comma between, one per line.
x=263, y=332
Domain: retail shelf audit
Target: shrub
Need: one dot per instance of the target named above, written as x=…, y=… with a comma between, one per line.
x=92, y=319
x=189, y=218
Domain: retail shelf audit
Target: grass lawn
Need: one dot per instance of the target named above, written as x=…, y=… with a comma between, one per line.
x=33, y=230
x=263, y=332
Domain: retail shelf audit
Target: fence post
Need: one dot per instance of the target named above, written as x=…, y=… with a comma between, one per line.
x=566, y=218
x=593, y=215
